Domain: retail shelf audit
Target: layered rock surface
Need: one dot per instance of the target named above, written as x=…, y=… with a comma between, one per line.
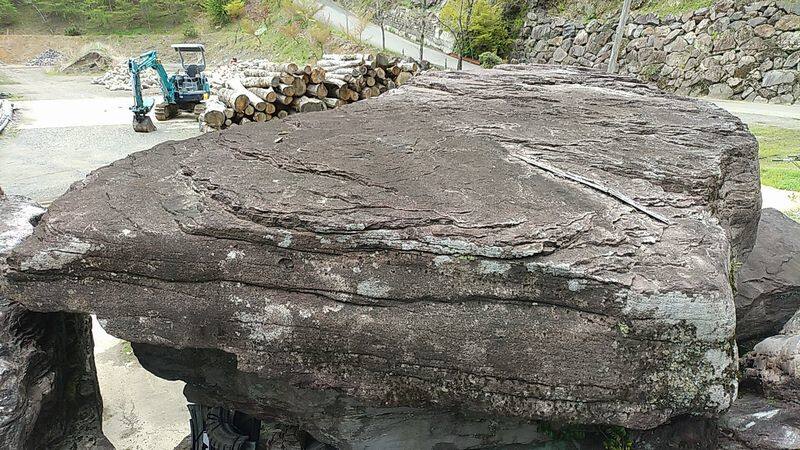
x=49, y=396
x=768, y=283
x=524, y=243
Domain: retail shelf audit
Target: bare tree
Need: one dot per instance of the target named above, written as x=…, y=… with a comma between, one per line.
x=381, y=10
x=423, y=16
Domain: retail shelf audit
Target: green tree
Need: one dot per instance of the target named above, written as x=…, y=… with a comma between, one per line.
x=477, y=26
x=8, y=12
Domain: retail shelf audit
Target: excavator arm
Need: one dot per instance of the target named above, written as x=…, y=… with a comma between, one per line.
x=142, y=106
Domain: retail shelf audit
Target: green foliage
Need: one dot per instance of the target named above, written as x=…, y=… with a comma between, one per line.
x=190, y=32
x=478, y=26
x=561, y=433
x=8, y=12
x=616, y=438
x=117, y=17
x=598, y=9
x=234, y=9
x=776, y=143
x=73, y=30
x=215, y=9
x=489, y=60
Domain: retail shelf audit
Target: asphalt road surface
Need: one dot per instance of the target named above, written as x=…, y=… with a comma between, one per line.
x=345, y=20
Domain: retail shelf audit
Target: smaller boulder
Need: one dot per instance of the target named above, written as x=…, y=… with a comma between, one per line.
x=757, y=423
x=768, y=283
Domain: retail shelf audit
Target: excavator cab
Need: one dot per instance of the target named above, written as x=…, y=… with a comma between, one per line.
x=191, y=86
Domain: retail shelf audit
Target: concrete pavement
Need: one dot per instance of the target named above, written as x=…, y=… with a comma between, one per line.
x=62, y=131
x=783, y=116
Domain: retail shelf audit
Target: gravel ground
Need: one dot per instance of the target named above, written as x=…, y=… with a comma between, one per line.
x=67, y=127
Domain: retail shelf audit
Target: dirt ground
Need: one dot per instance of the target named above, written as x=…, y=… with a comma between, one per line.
x=140, y=410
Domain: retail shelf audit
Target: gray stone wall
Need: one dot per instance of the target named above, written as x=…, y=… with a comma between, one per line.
x=731, y=50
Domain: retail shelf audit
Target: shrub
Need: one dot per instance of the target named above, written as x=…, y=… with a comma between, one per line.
x=190, y=32
x=489, y=60
x=234, y=9
x=216, y=11
x=73, y=30
x=486, y=31
x=8, y=12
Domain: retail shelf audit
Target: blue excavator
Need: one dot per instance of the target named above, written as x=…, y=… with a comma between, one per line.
x=182, y=91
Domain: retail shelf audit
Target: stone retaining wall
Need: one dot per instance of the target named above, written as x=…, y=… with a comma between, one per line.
x=732, y=51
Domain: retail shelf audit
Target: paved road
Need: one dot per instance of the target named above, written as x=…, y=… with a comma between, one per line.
x=782, y=116
x=340, y=18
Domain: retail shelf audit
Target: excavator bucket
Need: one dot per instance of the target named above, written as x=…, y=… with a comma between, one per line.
x=143, y=124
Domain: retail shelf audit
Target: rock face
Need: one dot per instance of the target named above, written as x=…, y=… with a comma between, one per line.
x=760, y=424
x=49, y=396
x=768, y=284
x=524, y=243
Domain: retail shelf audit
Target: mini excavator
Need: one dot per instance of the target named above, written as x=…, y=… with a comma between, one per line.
x=182, y=91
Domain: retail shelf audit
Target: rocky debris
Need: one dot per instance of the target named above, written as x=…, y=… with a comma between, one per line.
x=529, y=242
x=733, y=50
x=48, y=57
x=757, y=423
x=773, y=367
x=119, y=78
x=92, y=61
x=768, y=283
x=49, y=396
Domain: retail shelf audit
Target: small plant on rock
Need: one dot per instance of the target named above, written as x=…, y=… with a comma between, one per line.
x=489, y=60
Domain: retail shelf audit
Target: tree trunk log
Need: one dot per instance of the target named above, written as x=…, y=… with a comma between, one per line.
x=214, y=115
x=286, y=89
x=268, y=94
x=284, y=99
x=332, y=103
x=237, y=101
x=317, y=90
x=257, y=102
x=308, y=104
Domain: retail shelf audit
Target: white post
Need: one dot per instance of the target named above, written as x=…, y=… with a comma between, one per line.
x=623, y=20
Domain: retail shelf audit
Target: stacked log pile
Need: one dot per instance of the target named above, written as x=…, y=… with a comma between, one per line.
x=258, y=91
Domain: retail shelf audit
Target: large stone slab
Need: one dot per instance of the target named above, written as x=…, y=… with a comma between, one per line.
x=529, y=242
x=768, y=284
x=49, y=396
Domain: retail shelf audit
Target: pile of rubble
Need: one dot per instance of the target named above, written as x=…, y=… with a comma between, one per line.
x=119, y=78
x=48, y=57
x=258, y=90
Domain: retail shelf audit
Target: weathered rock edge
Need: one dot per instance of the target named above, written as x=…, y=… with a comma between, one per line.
x=768, y=283
x=530, y=242
x=49, y=395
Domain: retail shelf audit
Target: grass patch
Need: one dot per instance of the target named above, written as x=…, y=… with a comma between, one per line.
x=596, y=9
x=774, y=142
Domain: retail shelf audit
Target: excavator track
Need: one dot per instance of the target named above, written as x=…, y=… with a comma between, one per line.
x=164, y=111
